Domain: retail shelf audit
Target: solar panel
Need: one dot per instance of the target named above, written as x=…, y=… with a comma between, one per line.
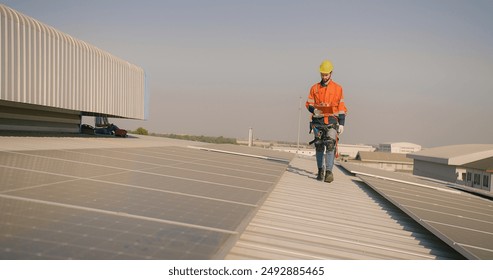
x=462, y=220
x=33, y=230
x=128, y=203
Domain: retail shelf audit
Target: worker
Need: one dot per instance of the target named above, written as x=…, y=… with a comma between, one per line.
x=326, y=103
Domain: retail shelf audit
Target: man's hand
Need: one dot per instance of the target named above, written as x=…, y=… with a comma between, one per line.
x=317, y=113
x=340, y=130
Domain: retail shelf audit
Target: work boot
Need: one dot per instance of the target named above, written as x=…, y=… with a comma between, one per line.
x=320, y=175
x=329, y=176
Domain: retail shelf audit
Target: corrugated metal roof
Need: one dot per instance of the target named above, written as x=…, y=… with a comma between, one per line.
x=455, y=154
x=465, y=222
x=307, y=219
x=462, y=220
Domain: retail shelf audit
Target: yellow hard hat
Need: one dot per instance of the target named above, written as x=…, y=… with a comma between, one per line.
x=326, y=67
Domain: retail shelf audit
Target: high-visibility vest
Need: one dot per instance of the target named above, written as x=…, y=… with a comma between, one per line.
x=328, y=99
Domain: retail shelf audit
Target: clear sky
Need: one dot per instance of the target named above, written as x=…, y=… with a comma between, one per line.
x=412, y=71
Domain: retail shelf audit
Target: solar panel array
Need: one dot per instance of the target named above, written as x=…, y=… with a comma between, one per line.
x=128, y=203
x=464, y=221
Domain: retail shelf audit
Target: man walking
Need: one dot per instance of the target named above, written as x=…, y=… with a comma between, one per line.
x=326, y=103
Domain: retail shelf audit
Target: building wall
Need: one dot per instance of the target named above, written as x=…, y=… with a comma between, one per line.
x=26, y=117
x=435, y=171
x=400, y=148
x=44, y=67
x=478, y=179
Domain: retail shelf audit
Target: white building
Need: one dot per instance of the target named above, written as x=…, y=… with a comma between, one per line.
x=351, y=151
x=399, y=147
x=470, y=165
x=344, y=150
x=49, y=80
x=294, y=150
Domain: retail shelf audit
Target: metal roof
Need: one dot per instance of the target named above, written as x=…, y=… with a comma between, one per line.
x=455, y=154
x=157, y=198
x=484, y=164
x=247, y=151
x=408, y=144
x=307, y=219
x=462, y=220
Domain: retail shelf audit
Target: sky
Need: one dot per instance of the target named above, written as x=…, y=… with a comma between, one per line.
x=412, y=71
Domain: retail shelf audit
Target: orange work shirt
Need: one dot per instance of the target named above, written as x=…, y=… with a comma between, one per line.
x=329, y=99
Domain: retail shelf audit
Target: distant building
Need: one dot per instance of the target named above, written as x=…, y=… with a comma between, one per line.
x=470, y=165
x=399, y=147
x=385, y=161
x=345, y=151
x=351, y=151
x=294, y=150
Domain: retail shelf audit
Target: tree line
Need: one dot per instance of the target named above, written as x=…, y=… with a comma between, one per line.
x=201, y=138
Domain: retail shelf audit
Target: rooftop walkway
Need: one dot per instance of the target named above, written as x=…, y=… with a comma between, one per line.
x=307, y=219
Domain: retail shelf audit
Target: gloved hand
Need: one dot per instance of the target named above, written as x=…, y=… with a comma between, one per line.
x=317, y=113
x=340, y=130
